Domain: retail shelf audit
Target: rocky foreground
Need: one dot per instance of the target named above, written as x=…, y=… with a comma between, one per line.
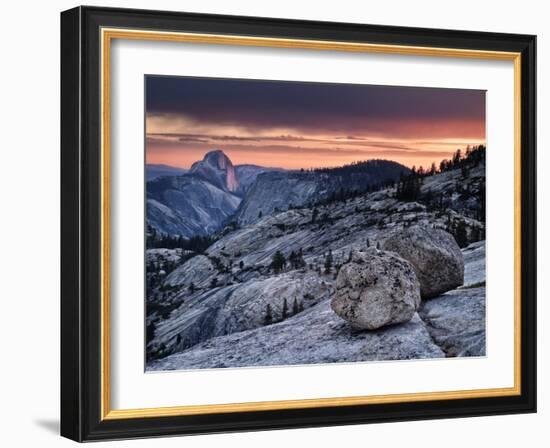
x=452, y=324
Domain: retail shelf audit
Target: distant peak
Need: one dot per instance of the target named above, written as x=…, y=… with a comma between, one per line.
x=217, y=168
x=218, y=159
x=214, y=151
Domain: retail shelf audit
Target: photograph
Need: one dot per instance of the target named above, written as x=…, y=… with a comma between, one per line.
x=298, y=223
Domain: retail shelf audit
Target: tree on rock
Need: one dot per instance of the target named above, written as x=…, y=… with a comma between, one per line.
x=328, y=262
x=408, y=187
x=285, y=309
x=295, y=307
x=268, y=319
x=460, y=234
x=314, y=215
x=300, y=259
x=278, y=262
x=296, y=259
x=292, y=259
x=151, y=330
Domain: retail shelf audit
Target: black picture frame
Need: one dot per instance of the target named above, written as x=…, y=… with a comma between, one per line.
x=81, y=414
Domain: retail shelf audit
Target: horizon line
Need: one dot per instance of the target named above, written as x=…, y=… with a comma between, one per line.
x=436, y=162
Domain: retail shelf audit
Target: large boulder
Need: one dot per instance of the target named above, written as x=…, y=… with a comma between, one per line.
x=376, y=288
x=434, y=254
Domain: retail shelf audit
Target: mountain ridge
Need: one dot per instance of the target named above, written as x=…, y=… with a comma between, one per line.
x=154, y=170
x=214, y=191
x=275, y=191
x=199, y=201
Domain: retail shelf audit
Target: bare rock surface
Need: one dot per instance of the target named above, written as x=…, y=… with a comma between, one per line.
x=434, y=254
x=197, y=270
x=474, y=263
x=188, y=205
x=456, y=321
x=314, y=336
x=239, y=307
x=376, y=288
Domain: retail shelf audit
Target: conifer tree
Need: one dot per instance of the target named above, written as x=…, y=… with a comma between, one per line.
x=314, y=215
x=301, y=261
x=292, y=259
x=460, y=234
x=328, y=262
x=268, y=319
x=278, y=262
x=295, y=307
x=285, y=309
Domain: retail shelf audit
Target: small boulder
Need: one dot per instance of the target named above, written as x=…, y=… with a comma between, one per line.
x=376, y=288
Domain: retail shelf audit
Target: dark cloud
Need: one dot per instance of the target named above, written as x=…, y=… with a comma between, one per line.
x=311, y=107
x=204, y=138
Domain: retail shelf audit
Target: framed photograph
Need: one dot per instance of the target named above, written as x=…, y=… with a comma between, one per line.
x=277, y=224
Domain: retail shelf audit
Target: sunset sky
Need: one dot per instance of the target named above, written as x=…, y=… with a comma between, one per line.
x=305, y=125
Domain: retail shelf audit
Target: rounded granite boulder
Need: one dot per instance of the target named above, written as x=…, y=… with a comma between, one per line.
x=376, y=288
x=434, y=254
